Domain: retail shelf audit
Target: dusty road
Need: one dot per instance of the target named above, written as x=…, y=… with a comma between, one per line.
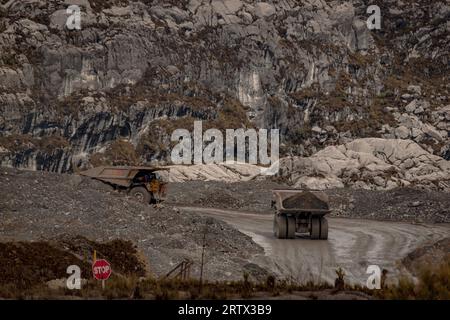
x=353, y=245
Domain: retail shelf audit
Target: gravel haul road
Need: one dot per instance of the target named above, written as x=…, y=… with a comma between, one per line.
x=353, y=245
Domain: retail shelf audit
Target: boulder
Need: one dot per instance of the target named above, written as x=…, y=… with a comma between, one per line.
x=417, y=90
x=402, y=132
x=264, y=10
x=417, y=106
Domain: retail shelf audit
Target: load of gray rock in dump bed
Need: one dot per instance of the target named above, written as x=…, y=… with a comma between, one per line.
x=305, y=200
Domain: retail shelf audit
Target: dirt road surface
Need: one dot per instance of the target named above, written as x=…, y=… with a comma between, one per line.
x=353, y=245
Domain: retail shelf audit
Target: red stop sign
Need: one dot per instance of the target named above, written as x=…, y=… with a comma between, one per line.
x=101, y=269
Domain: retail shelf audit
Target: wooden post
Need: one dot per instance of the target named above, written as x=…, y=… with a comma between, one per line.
x=203, y=258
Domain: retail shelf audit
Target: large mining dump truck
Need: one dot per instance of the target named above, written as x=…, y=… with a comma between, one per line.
x=300, y=212
x=142, y=183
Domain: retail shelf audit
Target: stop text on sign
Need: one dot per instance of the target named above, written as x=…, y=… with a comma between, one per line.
x=101, y=269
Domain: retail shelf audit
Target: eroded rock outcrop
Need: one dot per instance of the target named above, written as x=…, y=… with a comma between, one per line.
x=212, y=172
x=370, y=163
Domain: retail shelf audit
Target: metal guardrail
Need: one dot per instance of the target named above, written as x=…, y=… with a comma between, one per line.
x=181, y=271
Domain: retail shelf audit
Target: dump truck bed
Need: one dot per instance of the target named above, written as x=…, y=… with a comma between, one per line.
x=122, y=176
x=301, y=200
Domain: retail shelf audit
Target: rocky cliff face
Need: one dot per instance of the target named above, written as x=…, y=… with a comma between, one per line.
x=113, y=91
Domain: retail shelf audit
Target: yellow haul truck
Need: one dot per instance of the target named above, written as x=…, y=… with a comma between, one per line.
x=142, y=183
x=300, y=211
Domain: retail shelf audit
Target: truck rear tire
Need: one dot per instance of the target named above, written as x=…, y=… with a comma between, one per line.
x=141, y=194
x=291, y=227
x=315, y=228
x=280, y=226
x=323, y=228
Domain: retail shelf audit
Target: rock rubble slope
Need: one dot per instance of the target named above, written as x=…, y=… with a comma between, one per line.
x=42, y=206
x=402, y=204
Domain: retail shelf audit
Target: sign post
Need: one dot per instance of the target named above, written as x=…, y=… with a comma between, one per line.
x=101, y=269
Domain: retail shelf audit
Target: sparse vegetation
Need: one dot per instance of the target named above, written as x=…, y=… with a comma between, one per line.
x=120, y=287
x=9, y=59
x=300, y=134
x=22, y=142
x=39, y=262
x=359, y=60
x=307, y=93
x=433, y=284
x=232, y=115
x=157, y=142
x=99, y=5
x=119, y=153
x=339, y=283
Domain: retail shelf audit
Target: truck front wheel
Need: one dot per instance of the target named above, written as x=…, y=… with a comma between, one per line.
x=141, y=194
